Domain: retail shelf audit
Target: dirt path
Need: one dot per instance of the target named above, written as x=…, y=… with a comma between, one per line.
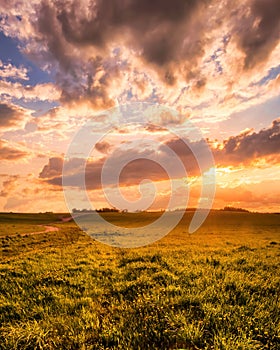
x=47, y=229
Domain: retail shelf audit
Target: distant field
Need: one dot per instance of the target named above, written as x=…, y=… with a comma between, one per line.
x=20, y=224
x=216, y=289
x=20, y=218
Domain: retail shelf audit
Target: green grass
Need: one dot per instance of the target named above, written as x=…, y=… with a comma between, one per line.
x=38, y=218
x=216, y=289
x=12, y=224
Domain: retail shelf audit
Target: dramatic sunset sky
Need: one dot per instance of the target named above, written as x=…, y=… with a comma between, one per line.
x=217, y=62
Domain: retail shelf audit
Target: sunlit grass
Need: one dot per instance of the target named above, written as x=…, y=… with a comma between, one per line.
x=216, y=289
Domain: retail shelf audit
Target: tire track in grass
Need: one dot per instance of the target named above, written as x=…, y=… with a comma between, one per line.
x=47, y=230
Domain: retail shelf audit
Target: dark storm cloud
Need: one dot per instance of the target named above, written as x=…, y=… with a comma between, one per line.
x=160, y=32
x=186, y=154
x=147, y=164
x=74, y=175
x=9, y=115
x=168, y=36
x=244, y=148
x=251, y=146
x=75, y=39
x=259, y=31
x=52, y=169
x=73, y=172
x=75, y=76
x=157, y=27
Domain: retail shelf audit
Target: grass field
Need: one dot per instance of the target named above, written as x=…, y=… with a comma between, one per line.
x=216, y=289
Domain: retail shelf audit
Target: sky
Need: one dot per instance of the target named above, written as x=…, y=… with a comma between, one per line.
x=214, y=63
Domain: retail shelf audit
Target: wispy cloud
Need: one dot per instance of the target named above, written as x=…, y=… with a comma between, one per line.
x=208, y=59
x=9, y=152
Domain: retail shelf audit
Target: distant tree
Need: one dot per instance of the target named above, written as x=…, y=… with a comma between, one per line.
x=107, y=210
x=229, y=208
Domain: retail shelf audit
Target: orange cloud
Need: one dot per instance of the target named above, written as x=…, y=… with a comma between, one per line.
x=10, y=152
x=250, y=146
x=9, y=185
x=207, y=59
x=11, y=116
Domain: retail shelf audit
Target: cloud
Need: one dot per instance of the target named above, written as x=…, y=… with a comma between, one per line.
x=204, y=58
x=148, y=162
x=9, y=185
x=253, y=196
x=75, y=171
x=52, y=169
x=203, y=54
x=103, y=147
x=250, y=146
x=86, y=43
x=194, y=155
x=16, y=203
x=42, y=92
x=259, y=31
x=10, y=152
x=157, y=29
x=11, y=115
x=11, y=71
x=137, y=163
x=26, y=193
